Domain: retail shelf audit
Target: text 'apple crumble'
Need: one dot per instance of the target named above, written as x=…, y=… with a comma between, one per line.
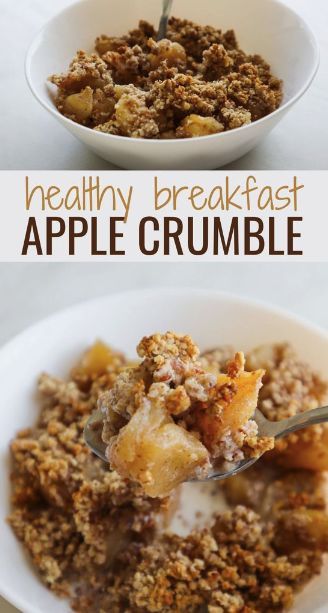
x=98, y=540
x=194, y=83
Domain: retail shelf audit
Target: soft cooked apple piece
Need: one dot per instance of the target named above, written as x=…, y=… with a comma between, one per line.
x=234, y=406
x=97, y=359
x=152, y=450
x=79, y=105
x=244, y=402
x=302, y=528
x=309, y=452
x=195, y=125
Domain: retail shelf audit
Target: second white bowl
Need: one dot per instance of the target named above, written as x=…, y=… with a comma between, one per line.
x=54, y=344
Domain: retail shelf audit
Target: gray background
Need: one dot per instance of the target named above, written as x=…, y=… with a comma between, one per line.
x=30, y=292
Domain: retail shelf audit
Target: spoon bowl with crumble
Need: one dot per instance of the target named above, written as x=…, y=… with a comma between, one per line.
x=169, y=419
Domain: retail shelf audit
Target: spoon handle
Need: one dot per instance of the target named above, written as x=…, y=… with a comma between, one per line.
x=167, y=5
x=300, y=421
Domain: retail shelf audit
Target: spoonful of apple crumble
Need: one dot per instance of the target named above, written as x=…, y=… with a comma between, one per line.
x=170, y=420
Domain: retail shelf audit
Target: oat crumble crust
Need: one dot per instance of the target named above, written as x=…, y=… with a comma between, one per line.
x=194, y=83
x=97, y=539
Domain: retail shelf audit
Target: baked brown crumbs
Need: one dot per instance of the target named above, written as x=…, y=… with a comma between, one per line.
x=98, y=540
x=195, y=82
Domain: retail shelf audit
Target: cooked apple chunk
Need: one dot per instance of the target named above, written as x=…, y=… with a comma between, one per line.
x=98, y=359
x=154, y=451
x=168, y=420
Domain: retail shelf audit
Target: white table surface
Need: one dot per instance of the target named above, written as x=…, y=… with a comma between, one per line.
x=32, y=139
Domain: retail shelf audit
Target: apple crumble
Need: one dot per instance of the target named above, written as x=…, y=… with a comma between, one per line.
x=168, y=420
x=194, y=83
x=99, y=540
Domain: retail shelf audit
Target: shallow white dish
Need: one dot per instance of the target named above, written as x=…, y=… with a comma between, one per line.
x=267, y=27
x=121, y=320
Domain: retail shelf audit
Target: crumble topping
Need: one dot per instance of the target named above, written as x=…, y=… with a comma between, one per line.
x=97, y=539
x=65, y=502
x=194, y=83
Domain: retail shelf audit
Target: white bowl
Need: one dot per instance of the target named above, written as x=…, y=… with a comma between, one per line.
x=267, y=27
x=121, y=320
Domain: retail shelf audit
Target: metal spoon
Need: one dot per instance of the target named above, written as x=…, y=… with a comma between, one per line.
x=277, y=429
x=166, y=10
